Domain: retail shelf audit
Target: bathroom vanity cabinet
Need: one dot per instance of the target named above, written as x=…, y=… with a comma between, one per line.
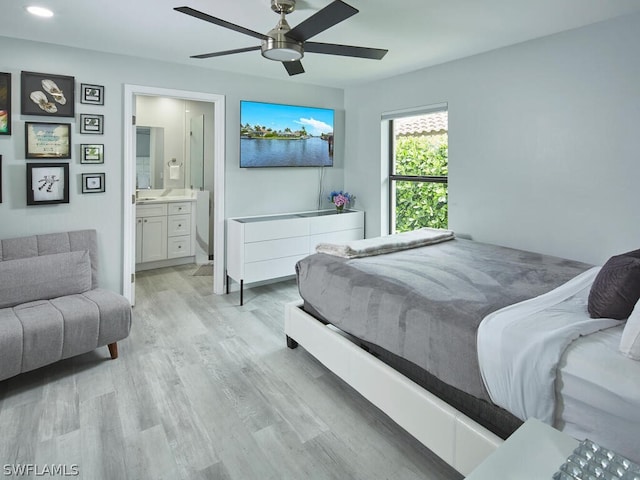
x=151, y=233
x=164, y=233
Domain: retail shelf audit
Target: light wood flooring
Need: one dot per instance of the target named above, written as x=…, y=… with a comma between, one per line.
x=203, y=388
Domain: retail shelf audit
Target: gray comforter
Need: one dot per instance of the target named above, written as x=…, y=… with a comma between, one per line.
x=425, y=304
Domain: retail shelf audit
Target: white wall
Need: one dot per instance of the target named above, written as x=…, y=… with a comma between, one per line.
x=248, y=192
x=543, y=141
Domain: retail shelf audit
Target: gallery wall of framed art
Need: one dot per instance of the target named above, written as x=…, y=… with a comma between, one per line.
x=53, y=159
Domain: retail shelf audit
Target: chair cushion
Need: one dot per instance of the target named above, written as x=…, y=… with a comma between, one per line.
x=44, y=277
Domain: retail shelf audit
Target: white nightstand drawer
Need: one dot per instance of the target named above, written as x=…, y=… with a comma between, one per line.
x=283, y=247
x=177, y=208
x=179, y=246
x=179, y=225
x=259, y=231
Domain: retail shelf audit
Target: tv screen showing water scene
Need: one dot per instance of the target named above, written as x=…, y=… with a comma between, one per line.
x=274, y=135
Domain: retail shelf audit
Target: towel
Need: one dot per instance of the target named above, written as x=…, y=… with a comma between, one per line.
x=174, y=172
x=386, y=244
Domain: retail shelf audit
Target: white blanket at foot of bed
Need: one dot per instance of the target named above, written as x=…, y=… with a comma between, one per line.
x=519, y=346
x=386, y=244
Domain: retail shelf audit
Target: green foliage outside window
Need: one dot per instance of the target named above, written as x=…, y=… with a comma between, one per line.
x=421, y=204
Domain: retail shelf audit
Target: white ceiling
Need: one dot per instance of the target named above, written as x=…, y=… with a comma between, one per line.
x=417, y=33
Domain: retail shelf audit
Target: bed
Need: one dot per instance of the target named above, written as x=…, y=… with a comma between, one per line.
x=407, y=322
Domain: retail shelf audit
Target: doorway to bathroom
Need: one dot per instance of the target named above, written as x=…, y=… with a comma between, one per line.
x=174, y=155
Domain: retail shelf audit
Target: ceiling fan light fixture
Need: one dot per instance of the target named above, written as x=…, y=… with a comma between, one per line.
x=277, y=46
x=282, y=51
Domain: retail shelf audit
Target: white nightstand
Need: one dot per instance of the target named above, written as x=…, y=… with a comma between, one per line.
x=534, y=452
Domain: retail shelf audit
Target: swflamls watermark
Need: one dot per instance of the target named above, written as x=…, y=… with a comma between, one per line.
x=46, y=470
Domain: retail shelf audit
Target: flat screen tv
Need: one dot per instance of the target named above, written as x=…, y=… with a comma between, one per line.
x=275, y=135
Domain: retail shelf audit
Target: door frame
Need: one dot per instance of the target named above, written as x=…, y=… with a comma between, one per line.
x=129, y=184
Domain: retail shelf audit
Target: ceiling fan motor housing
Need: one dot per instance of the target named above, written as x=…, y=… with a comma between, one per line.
x=283, y=6
x=277, y=46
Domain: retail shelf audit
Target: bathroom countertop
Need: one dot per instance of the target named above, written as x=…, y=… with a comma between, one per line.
x=160, y=196
x=146, y=200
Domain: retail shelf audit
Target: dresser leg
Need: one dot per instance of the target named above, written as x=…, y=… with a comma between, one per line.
x=241, y=292
x=291, y=343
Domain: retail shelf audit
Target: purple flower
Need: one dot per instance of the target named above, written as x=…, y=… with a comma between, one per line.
x=340, y=199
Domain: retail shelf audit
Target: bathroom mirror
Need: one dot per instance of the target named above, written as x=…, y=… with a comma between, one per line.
x=149, y=157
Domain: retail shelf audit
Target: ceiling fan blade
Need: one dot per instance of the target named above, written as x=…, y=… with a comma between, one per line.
x=345, y=50
x=293, y=68
x=219, y=22
x=329, y=16
x=226, y=52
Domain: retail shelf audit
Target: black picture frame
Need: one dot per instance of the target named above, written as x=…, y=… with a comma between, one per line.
x=5, y=103
x=91, y=123
x=91, y=94
x=47, y=183
x=45, y=140
x=46, y=94
x=93, y=183
x=92, y=153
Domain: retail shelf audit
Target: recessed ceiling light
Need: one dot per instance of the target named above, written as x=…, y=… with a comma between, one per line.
x=40, y=11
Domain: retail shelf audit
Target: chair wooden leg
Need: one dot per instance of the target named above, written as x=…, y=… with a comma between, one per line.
x=113, y=350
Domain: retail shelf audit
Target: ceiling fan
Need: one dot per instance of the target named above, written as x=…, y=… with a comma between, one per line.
x=288, y=45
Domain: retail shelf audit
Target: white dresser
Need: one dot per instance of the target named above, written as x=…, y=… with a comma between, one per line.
x=268, y=247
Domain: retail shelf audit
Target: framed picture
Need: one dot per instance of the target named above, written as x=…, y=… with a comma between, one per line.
x=91, y=94
x=47, y=183
x=92, y=182
x=90, y=123
x=5, y=104
x=47, y=140
x=92, y=153
x=47, y=94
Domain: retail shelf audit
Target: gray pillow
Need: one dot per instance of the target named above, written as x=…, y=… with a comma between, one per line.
x=630, y=341
x=44, y=277
x=616, y=288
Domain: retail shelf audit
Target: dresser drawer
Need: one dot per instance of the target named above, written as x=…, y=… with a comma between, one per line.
x=179, y=246
x=283, y=247
x=337, y=222
x=290, y=227
x=178, y=225
x=268, y=269
x=177, y=208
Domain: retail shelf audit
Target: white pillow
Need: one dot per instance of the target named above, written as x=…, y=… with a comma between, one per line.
x=630, y=341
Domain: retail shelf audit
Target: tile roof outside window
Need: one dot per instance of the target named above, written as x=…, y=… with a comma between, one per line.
x=430, y=124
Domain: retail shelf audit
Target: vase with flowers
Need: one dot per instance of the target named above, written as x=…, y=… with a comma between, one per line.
x=341, y=199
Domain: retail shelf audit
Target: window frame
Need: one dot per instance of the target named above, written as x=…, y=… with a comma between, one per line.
x=407, y=178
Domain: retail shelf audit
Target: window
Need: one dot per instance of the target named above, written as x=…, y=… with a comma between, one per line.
x=418, y=171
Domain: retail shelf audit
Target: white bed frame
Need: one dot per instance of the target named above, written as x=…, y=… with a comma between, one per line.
x=454, y=437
